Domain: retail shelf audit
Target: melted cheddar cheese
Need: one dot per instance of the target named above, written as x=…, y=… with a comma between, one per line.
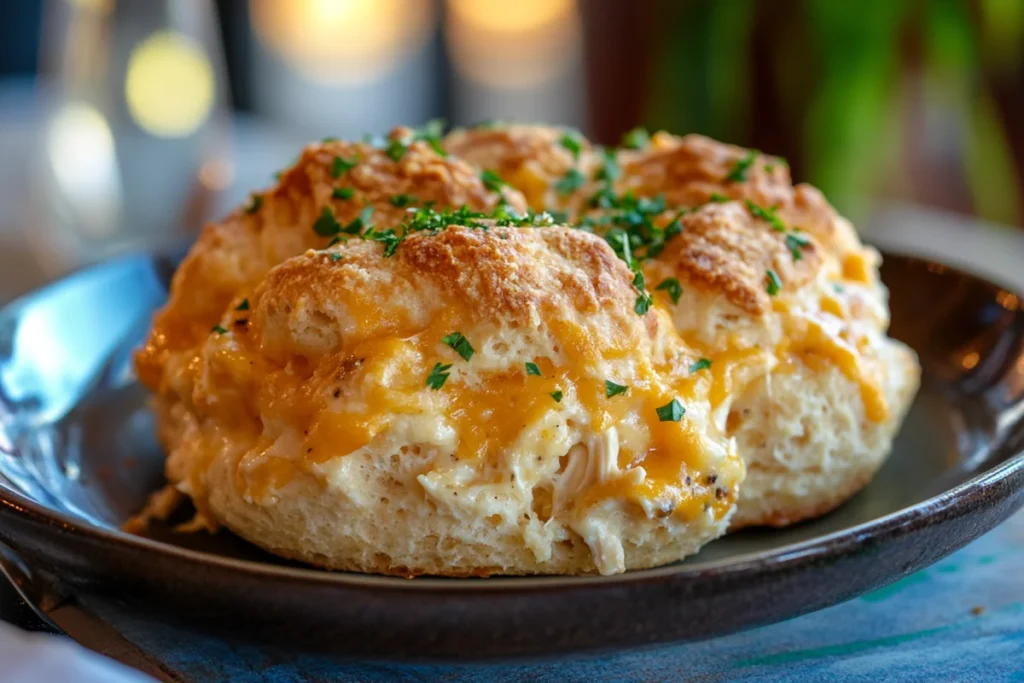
x=349, y=400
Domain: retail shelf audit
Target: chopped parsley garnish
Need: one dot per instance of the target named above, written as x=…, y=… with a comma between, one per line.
x=642, y=303
x=609, y=170
x=387, y=237
x=335, y=256
x=767, y=215
x=438, y=376
x=638, y=138
x=328, y=139
x=672, y=411
x=492, y=181
x=772, y=282
x=219, y=329
x=573, y=142
x=327, y=225
x=532, y=369
x=604, y=199
x=675, y=227
x=401, y=200
x=337, y=239
x=613, y=389
x=557, y=395
x=644, y=300
x=797, y=242
x=244, y=306
x=570, y=182
x=633, y=229
x=395, y=150
x=431, y=133
x=739, y=170
x=769, y=168
x=254, y=204
x=702, y=364
x=340, y=167
x=671, y=287
x=342, y=193
x=459, y=343
x=426, y=219
x=360, y=222
x=718, y=198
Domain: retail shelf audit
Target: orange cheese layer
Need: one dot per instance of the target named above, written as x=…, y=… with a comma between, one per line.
x=814, y=344
x=346, y=400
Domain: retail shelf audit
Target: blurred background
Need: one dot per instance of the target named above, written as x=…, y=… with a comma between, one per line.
x=128, y=122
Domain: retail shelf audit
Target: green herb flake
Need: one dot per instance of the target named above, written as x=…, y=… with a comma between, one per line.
x=739, y=170
x=718, y=198
x=432, y=133
x=340, y=167
x=401, y=200
x=702, y=364
x=438, y=376
x=342, y=193
x=642, y=303
x=767, y=215
x=360, y=222
x=460, y=344
x=395, y=150
x=326, y=225
x=573, y=142
x=613, y=389
x=773, y=285
x=609, y=171
x=674, y=228
x=557, y=395
x=532, y=369
x=387, y=237
x=797, y=242
x=335, y=257
x=219, y=329
x=254, y=204
x=638, y=138
x=671, y=287
x=672, y=411
x=492, y=181
x=570, y=182
x=244, y=306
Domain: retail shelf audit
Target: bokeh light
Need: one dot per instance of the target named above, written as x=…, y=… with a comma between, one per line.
x=343, y=41
x=80, y=151
x=169, y=85
x=513, y=44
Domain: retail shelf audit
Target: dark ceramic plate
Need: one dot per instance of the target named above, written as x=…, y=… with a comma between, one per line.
x=77, y=458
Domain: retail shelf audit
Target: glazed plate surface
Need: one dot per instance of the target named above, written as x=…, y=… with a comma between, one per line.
x=78, y=458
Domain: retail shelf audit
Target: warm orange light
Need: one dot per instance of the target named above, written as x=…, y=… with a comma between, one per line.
x=1008, y=301
x=513, y=44
x=343, y=41
x=970, y=360
x=501, y=16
